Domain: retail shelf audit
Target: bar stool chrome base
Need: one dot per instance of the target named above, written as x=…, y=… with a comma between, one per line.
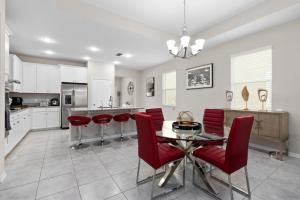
x=79, y=146
x=102, y=143
x=121, y=139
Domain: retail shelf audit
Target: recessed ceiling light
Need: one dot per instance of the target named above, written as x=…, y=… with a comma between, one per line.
x=49, y=52
x=127, y=55
x=86, y=58
x=93, y=49
x=47, y=40
x=116, y=62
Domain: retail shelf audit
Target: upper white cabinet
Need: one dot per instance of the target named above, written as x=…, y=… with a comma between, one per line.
x=29, y=77
x=6, y=54
x=73, y=74
x=16, y=72
x=47, y=78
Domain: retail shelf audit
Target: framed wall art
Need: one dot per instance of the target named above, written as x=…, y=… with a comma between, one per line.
x=199, y=77
x=150, y=89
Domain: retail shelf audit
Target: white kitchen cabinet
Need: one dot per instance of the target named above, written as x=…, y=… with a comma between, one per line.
x=6, y=54
x=48, y=78
x=15, y=72
x=53, y=119
x=20, y=125
x=73, y=74
x=29, y=77
x=39, y=120
x=45, y=117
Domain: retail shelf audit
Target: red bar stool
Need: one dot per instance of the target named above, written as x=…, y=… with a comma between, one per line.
x=102, y=120
x=122, y=118
x=79, y=122
x=132, y=116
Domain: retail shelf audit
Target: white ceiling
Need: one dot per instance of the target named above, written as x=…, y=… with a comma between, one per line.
x=167, y=15
x=139, y=27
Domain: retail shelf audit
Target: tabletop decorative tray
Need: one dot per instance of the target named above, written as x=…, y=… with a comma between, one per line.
x=187, y=126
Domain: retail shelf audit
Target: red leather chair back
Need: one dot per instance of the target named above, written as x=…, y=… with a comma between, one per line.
x=157, y=117
x=236, y=155
x=147, y=143
x=213, y=121
x=123, y=117
x=102, y=118
x=79, y=120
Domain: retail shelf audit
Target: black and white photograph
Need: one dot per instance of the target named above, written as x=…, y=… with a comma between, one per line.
x=199, y=77
x=150, y=87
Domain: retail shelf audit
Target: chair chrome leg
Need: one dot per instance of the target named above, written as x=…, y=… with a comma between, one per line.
x=247, y=181
x=210, y=170
x=230, y=187
x=153, y=183
x=183, y=172
x=138, y=171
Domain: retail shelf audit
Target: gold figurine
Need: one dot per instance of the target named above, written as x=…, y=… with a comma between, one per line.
x=245, y=95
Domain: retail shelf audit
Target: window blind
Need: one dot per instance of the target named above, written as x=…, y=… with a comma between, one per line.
x=254, y=70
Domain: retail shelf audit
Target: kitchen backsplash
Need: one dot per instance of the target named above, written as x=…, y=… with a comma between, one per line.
x=34, y=99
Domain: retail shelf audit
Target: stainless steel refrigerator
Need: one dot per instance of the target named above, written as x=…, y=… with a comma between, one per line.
x=73, y=95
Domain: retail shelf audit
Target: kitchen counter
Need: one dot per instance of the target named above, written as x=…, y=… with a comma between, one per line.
x=84, y=109
x=113, y=129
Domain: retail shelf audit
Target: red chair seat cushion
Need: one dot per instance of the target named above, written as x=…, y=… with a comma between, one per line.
x=168, y=153
x=213, y=155
x=123, y=117
x=102, y=118
x=79, y=120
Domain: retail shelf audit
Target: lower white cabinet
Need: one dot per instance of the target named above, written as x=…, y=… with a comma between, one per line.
x=20, y=125
x=45, y=118
x=39, y=120
x=30, y=119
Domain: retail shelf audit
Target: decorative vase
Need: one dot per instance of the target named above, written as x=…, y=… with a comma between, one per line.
x=229, y=96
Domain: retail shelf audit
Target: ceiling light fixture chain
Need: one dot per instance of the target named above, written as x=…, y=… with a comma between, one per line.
x=185, y=49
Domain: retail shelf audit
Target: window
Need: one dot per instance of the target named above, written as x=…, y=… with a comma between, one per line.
x=169, y=88
x=254, y=70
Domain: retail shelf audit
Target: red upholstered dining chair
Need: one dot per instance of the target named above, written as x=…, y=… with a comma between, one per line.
x=158, y=120
x=235, y=156
x=154, y=154
x=213, y=123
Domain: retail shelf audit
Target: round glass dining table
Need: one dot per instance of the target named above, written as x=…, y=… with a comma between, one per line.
x=184, y=139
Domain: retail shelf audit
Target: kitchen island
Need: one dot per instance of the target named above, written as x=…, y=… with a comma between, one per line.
x=113, y=130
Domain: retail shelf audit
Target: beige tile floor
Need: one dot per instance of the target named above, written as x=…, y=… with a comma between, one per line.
x=43, y=167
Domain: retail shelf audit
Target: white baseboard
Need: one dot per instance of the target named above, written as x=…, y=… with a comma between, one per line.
x=2, y=177
x=294, y=155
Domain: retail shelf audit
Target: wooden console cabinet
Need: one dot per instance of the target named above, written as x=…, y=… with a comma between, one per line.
x=268, y=125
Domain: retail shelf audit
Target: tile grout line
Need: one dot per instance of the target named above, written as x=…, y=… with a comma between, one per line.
x=45, y=152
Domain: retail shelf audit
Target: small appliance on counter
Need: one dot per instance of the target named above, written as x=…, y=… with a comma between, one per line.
x=16, y=103
x=54, y=102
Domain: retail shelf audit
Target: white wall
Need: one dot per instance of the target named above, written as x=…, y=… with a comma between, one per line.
x=127, y=75
x=98, y=70
x=2, y=94
x=285, y=41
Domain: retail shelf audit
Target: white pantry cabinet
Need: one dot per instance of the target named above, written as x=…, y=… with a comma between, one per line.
x=73, y=74
x=47, y=78
x=29, y=77
x=15, y=72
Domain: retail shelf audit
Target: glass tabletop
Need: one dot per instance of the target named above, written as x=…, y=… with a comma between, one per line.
x=191, y=135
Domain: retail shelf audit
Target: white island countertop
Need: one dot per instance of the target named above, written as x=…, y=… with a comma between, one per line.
x=86, y=109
